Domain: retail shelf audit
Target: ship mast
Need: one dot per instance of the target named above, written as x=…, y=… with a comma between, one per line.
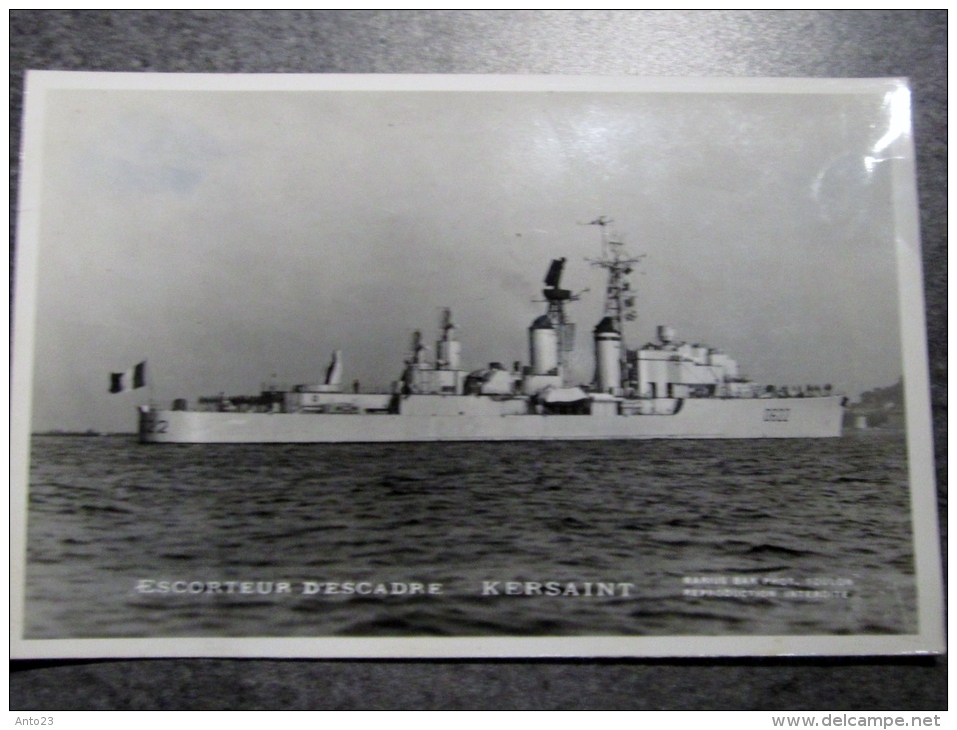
x=557, y=298
x=619, y=299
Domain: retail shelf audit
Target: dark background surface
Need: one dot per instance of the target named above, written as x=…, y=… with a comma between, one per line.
x=644, y=43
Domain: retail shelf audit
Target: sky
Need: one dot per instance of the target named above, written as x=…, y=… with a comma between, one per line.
x=236, y=238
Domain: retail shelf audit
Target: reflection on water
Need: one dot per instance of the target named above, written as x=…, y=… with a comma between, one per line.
x=665, y=516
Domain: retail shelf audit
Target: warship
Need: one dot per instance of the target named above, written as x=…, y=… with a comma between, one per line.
x=666, y=389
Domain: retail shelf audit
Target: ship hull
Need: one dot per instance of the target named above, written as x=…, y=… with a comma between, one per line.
x=695, y=419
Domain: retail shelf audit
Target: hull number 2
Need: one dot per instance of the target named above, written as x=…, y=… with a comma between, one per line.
x=776, y=414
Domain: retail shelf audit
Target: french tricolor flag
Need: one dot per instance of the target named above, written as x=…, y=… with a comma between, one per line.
x=130, y=380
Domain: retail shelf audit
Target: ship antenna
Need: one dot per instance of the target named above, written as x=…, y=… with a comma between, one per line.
x=619, y=298
x=602, y=221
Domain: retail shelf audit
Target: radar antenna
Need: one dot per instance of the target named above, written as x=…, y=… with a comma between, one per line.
x=557, y=298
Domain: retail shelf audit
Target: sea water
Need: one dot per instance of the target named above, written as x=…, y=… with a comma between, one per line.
x=668, y=537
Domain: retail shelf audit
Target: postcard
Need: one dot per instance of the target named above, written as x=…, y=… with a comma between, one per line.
x=469, y=366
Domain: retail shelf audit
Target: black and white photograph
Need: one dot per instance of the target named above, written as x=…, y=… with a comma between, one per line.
x=460, y=366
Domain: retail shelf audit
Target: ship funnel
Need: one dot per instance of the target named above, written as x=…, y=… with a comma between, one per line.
x=334, y=371
x=448, y=350
x=607, y=356
x=543, y=346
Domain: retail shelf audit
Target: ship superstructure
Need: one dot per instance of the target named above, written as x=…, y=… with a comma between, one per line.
x=664, y=389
